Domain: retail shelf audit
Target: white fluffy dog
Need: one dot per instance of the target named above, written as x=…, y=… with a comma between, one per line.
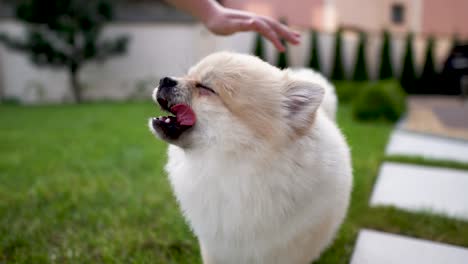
x=258, y=166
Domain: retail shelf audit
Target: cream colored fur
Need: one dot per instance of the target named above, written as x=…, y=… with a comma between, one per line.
x=265, y=174
x=330, y=100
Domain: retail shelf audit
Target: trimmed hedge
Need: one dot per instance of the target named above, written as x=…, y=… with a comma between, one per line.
x=282, y=61
x=386, y=68
x=314, y=60
x=360, y=67
x=259, y=48
x=347, y=91
x=408, y=77
x=383, y=100
x=428, y=81
x=338, y=71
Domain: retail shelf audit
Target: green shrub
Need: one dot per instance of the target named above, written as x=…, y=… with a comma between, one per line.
x=314, y=60
x=360, y=68
x=408, y=76
x=259, y=48
x=384, y=100
x=347, y=91
x=282, y=61
x=338, y=71
x=456, y=41
x=386, y=69
x=10, y=101
x=429, y=67
x=428, y=80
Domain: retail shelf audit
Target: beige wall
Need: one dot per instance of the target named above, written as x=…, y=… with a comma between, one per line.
x=375, y=15
x=445, y=17
x=442, y=17
x=438, y=17
x=299, y=13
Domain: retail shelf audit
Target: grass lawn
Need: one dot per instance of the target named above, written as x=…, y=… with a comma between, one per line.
x=428, y=162
x=85, y=184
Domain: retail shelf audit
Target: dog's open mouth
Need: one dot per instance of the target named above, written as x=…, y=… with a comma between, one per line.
x=173, y=126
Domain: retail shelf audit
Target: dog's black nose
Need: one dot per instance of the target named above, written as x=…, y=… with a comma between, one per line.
x=167, y=82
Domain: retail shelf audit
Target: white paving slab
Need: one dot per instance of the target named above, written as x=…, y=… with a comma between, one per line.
x=374, y=247
x=414, y=144
x=418, y=188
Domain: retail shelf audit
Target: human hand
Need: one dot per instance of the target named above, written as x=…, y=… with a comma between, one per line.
x=226, y=21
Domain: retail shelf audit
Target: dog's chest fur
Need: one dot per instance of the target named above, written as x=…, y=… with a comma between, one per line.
x=233, y=203
x=232, y=194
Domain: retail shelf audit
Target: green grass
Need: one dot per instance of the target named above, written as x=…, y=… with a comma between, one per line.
x=85, y=184
x=428, y=162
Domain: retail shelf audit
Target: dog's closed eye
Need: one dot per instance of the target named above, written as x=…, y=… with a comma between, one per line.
x=205, y=90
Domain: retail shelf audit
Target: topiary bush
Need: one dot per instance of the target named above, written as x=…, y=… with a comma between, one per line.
x=347, y=91
x=408, y=77
x=10, y=101
x=314, y=60
x=259, y=48
x=456, y=41
x=338, y=69
x=360, y=68
x=386, y=68
x=383, y=100
x=282, y=60
x=428, y=81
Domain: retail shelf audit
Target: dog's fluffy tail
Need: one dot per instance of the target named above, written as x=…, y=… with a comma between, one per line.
x=329, y=103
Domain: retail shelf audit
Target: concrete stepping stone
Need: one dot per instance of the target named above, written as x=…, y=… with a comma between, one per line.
x=422, y=188
x=415, y=144
x=383, y=248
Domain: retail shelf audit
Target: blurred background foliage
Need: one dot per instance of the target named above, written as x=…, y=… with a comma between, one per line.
x=65, y=34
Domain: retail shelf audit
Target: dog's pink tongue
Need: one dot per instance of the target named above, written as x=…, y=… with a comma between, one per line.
x=185, y=115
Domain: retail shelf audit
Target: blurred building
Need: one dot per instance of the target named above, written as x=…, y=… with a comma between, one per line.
x=438, y=17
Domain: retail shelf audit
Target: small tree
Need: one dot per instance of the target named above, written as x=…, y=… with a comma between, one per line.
x=65, y=34
x=386, y=69
x=259, y=48
x=282, y=61
x=428, y=79
x=408, y=75
x=360, y=68
x=456, y=41
x=314, y=60
x=338, y=71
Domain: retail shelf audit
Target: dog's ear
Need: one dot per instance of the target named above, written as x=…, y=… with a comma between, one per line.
x=301, y=102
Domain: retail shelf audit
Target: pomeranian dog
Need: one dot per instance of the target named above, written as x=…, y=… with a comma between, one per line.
x=257, y=164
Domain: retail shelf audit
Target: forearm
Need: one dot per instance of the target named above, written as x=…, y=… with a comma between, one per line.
x=200, y=9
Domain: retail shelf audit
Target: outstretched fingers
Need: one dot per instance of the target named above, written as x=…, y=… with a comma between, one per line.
x=259, y=25
x=283, y=31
